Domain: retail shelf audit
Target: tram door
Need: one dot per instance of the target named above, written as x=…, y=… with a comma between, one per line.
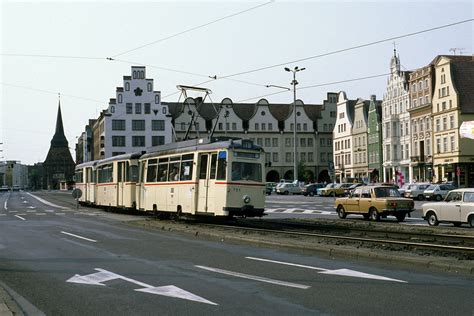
x=203, y=183
x=120, y=182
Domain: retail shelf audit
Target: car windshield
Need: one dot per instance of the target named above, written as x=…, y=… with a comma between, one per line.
x=330, y=185
x=386, y=192
x=431, y=188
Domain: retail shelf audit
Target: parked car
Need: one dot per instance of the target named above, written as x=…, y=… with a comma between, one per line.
x=16, y=188
x=336, y=190
x=348, y=190
x=437, y=191
x=287, y=188
x=270, y=187
x=312, y=188
x=416, y=190
x=374, y=202
x=4, y=188
x=457, y=208
x=403, y=189
x=328, y=186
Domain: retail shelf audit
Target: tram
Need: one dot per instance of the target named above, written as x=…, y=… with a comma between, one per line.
x=207, y=176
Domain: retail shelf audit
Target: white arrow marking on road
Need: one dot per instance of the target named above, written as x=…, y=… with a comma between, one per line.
x=256, y=278
x=46, y=202
x=341, y=272
x=170, y=290
x=173, y=291
x=5, y=204
x=31, y=207
x=357, y=274
x=20, y=217
x=25, y=201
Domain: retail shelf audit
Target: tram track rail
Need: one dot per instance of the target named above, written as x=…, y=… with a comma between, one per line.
x=460, y=246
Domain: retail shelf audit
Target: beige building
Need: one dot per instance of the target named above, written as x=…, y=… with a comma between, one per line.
x=453, y=103
x=421, y=90
x=360, y=140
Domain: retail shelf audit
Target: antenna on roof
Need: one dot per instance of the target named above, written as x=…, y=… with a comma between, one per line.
x=454, y=49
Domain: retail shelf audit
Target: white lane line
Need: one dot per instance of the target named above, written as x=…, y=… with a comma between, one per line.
x=255, y=278
x=46, y=202
x=13, y=211
x=60, y=213
x=5, y=204
x=2, y=214
x=77, y=236
x=40, y=213
x=339, y=272
x=23, y=219
x=287, y=263
x=31, y=211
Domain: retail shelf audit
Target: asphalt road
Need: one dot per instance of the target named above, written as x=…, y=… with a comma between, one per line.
x=67, y=261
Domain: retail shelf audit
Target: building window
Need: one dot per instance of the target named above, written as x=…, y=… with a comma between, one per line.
x=325, y=127
x=112, y=109
x=274, y=142
x=438, y=145
x=445, y=123
x=305, y=127
x=138, y=141
x=220, y=126
x=138, y=108
x=147, y=108
x=119, y=98
x=322, y=141
x=118, y=125
x=157, y=98
x=270, y=126
x=303, y=157
x=322, y=157
x=292, y=126
x=234, y=126
x=333, y=114
x=275, y=157
x=445, y=144
x=157, y=125
x=268, y=142
x=437, y=124
x=129, y=108
x=138, y=125
x=259, y=142
x=118, y=141
x=256, y=126
x=310, y=142
x=127, y=86
x=451, y=121
x=443, y=105
x=264, y=126
x=183, y=126
x=150, y=88
x=288, y=142
x=310, y=157
x=157, y=140
x=452, y=143
x=428, y=147
x=134, y=74
x=288, y=157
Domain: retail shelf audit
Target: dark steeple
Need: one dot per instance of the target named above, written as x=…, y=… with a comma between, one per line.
x=59, y=140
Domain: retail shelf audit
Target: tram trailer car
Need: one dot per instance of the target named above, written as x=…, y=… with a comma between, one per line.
x=117, y=179
x=203, y=177
x=85, y=178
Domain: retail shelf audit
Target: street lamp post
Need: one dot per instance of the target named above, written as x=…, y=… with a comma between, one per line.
x=294, y=83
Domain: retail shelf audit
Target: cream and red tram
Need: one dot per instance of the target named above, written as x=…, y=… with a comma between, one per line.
x=85, y=178
x=117, y=181
x=203, y=177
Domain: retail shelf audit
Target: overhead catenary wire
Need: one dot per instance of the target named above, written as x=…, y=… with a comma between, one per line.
x=193, y=29
x=52, y=56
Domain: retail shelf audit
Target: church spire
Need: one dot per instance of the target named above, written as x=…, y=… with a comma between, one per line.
x=59, y=139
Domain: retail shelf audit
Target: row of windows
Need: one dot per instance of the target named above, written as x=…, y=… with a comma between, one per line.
x=420, y=85
x=138, y=125
x=445, y=148
x=341, y=127
x=342, y=160
x=390, y=109
x=258, y=126
x=343, y=144
x=149, y=89
x=137, y=141
x=445, y=123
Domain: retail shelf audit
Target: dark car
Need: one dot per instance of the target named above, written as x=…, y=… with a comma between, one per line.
x=348, y=190
x=311, y=189
x=270, y=187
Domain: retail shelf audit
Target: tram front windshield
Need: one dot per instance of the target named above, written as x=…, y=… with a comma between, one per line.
x=246, y=171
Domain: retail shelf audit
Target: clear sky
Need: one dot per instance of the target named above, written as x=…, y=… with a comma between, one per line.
x=273, y=34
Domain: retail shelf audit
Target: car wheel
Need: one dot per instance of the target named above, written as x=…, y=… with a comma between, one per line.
x=366, y=217
x=421, y=197
x=438, y=198
x=401, y=217
x=432, y=219
x=457, y=224
x=471, y=220
x=374, y=215
x=311, y=193
x=333, y=194
x=341, y=212
x=286, y=193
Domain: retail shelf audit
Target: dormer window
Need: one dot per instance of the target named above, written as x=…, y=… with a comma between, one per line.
x=112, y=109
x=127, y=86
x=119, y=98
x=157, y=99
x=149, y=87
x=134, y=74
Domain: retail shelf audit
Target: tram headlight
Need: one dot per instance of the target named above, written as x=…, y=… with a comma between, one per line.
x=246, y=199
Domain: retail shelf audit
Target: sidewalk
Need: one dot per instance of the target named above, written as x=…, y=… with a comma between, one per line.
x=7, y=305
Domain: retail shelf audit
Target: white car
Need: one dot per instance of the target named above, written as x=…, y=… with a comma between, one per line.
x=457, y=208
x=287, y=188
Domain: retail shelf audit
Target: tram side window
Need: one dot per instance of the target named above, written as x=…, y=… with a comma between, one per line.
x=106, y=174
x=94, y=176
x=174, y=168
x=213, y=166
x=151, y=170
x=162, y=169
x=222, y=166
x=203, y=167
x=187, y=167
x=79, y=176
x=119, y=172
x=132, y=173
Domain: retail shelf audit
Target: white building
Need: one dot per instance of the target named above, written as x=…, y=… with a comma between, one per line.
x=342, y=138
x=396, y=125
x=134, y=120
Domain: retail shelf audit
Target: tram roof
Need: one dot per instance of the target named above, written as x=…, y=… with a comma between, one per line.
x=202, y=144
x=135, y=155
x=86, y=164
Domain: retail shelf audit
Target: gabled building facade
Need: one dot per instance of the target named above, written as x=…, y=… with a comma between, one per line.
x=453, y=103
x=342, y=138
x=396, y=140
x=374, y=142
x=359, y=140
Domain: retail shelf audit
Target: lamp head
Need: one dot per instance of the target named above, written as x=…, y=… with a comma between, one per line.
x=287, y=69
